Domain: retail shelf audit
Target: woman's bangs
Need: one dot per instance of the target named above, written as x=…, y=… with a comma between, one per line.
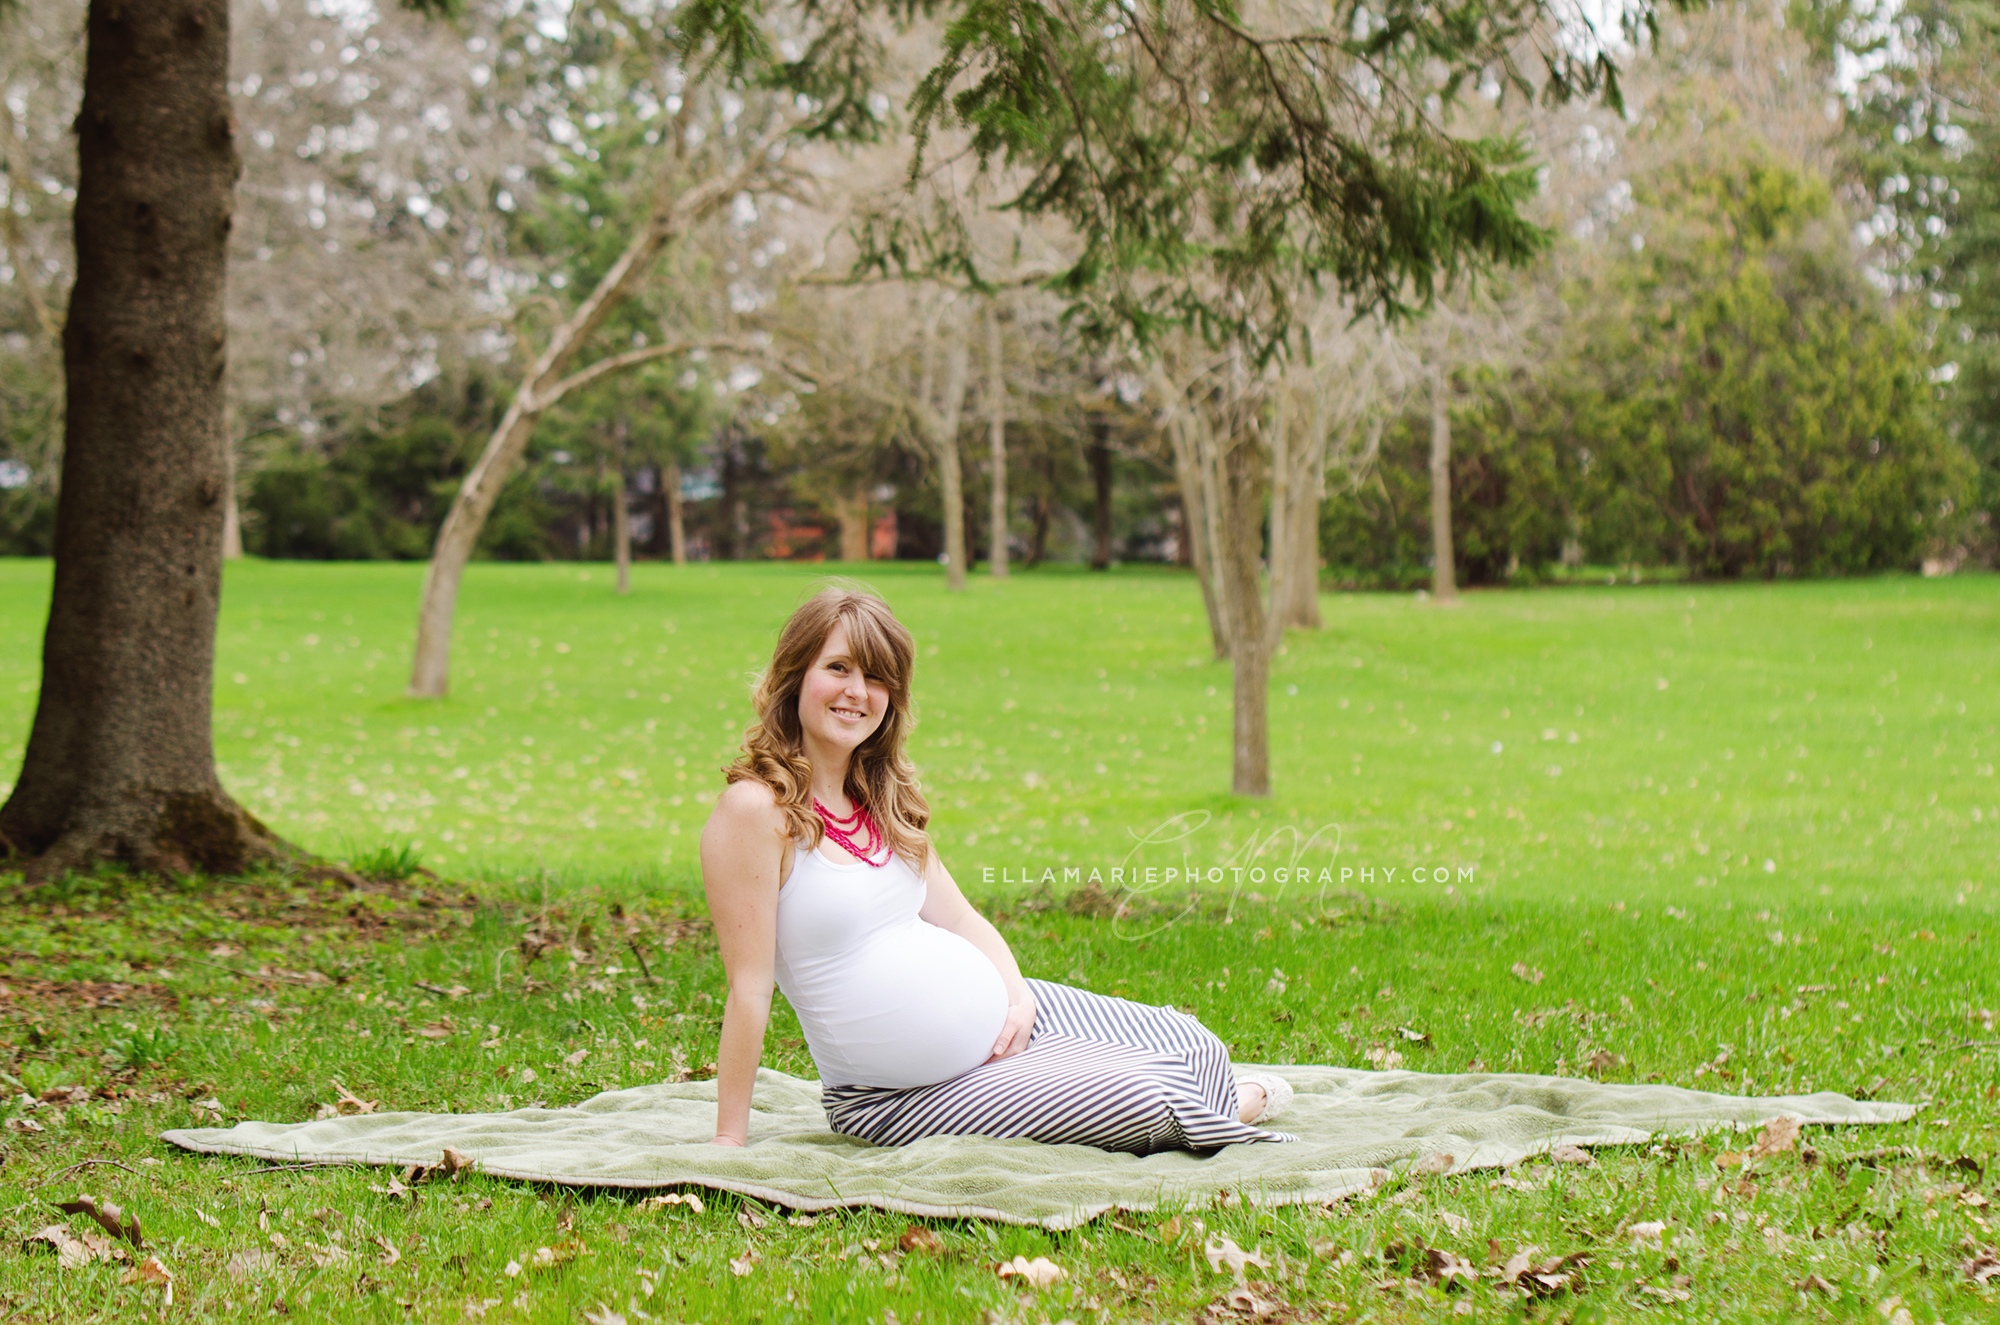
x=869, y=640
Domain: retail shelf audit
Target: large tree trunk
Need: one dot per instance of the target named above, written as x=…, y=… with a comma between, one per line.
x=1100, y=479
x=677, y=538
x=120, y=762
x=1444, y=577
x=996, y=438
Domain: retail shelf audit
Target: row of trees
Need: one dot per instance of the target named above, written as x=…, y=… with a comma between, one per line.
x=498, y=267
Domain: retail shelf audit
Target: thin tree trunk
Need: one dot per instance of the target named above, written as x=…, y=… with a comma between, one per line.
x=1183, y=433
x=677, y=538
x=621, y=516
x=27, y=271
x=1305, y=491
x=1444, y=576
x=851, y=510
x=1100, y=479
x=120, y=763
x=996, y=437
x=430, y=669
x=621, y=536
x=944, y=440
x=1302, y=604
x=232, y=519
x=1038, y=539
x=541, y=387
x=1243, y=481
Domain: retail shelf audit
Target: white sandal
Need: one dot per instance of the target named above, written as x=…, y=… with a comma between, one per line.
x=1277, y=1093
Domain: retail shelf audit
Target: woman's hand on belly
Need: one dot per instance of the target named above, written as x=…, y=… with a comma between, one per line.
x=1016, y=1030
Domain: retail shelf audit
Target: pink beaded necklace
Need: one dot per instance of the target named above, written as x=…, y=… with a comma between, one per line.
x=843, y=830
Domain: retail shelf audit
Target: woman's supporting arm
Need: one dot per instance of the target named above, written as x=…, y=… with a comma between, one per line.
x=742, y=852
x=945, y=906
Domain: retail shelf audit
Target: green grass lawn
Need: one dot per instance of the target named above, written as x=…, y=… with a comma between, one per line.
x=1754, y=744
x=1617, y=915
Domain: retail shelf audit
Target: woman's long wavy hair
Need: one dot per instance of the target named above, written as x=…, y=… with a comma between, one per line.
x=880, y=775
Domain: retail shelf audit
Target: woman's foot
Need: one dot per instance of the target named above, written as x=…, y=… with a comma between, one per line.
x=1261, y=1096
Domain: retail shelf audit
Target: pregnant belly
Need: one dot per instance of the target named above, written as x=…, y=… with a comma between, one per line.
x=914, y=1007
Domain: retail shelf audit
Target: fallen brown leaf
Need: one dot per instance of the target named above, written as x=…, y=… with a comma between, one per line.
x=1778, y=1136
x=1384, y=1058
x=688, y=1199
x=1525, y=972
x=109, y=1217
x=745, y=1263
x=1982, y=1266
x=1571, y=1155
x=1444, y=1269
x=1040, y=1272
x=1222, y=1251
x=1541, y=1279
x=548, y=1258
x=252, y=1260
x=1434, y=1163
x=150, y=1271
x=350, y=1103
x=1812, y=1283
x=918, y=1238
x=72, y=1251
x=454, y=1163
x=1246, y=1302
x=1648, y=1232
x=389, y=1254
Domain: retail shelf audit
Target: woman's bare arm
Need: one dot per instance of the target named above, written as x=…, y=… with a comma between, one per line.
x=742, y=854
x=945, y=906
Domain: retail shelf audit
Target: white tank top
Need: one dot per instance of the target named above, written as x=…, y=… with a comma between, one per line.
x=885, y=998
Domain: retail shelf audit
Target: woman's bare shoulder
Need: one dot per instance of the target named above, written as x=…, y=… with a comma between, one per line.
x=747, y=805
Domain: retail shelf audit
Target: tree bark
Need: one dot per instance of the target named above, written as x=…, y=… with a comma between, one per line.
x=997, y=446
x=1243, y=482
x=677, y=538
x=1295, y=582
x=120, y=762
x=621, y=512
x=1197, y=519
x=1100, y=478
x=851, y=510
x=1444, y=576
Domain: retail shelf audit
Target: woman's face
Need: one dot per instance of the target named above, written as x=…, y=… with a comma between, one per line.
x=839, y=705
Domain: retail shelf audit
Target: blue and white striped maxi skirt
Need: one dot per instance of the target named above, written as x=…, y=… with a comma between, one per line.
x=1098, y=1071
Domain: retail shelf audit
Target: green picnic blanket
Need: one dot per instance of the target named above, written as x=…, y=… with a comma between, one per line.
x=1354, y=1129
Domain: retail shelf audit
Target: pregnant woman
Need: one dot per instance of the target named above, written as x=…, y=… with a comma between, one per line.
x=822, y=882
